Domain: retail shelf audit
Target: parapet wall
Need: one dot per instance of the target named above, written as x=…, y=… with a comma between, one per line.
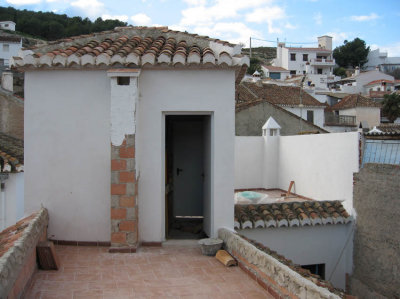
x=278, y=279
x=18, y=253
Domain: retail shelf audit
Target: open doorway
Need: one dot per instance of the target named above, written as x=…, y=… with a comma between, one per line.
x=187, y=184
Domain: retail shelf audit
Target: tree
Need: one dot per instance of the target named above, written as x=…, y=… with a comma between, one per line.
x=340, y=71
x=351, y=54
x=255, y=65
x=391, y=106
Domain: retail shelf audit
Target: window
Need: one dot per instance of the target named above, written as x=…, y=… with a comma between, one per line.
x=310, y=116
x=123, y=80
x=6, y=47
x=318, y=269
x=319, y=71
x=5, y=25
x=305, y=57
x=292, y=56
x=293, y=72
x=304, y=72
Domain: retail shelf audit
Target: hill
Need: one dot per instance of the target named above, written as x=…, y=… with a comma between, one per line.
x=51, y=26
x=266, y=54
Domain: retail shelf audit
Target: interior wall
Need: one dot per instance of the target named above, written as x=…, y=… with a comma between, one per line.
x=67, y=152
x=183, y=92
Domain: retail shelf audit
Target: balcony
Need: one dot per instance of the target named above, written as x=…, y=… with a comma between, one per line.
x=378, y=94
x=339, y=120
x=322, y=62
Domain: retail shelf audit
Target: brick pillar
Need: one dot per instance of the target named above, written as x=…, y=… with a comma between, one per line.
x=124, y=213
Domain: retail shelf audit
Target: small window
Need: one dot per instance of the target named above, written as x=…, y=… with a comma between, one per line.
x=292, y=56
x=293, y=72
x=304, y=72
x=319, y=71
x=6, y=47
x=5, y=25
x=318, y=269
x=305, y=57
x=310, y=116
x=123, y=80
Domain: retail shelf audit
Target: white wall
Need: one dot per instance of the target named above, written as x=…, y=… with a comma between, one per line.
x=319, y=116
x=321, y=244
x=369, y=114
x=67, y=152
x=184, y=92
x=13, y=195
x=322, y=165
x=13, y=50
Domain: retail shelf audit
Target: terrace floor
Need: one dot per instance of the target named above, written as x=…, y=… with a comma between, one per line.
x=176, y=270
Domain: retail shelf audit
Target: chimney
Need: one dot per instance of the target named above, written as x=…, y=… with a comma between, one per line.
x=357, y=71
x=7, y=80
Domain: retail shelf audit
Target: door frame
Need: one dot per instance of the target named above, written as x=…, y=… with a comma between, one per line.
x=163, y=172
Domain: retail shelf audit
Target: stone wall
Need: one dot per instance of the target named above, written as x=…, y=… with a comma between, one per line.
x=11, y=115
x=18, y=263
x=248, y=122
x=377, y=238
x=278, y=279
x=124, y=224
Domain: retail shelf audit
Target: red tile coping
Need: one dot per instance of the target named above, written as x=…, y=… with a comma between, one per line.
x=125, y=249
x=81, y=243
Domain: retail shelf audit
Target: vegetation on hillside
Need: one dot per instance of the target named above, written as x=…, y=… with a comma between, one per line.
x=255, y=65
x=391, y=106
x=264, y=53
x=351, y=54
x=51, y=26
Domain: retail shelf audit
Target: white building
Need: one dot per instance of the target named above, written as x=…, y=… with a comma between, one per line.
x=9, y=47
x=7, y=25
x=382, y=61
x=275, y=72
x=317, y=63
x=138, y=108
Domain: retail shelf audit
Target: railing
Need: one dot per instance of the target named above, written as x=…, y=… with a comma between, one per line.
x=378, y=94
x=340, y=120
x=320, y=61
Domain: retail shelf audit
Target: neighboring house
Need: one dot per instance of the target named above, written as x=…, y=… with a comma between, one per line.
x=378, y=88
x=354, y=110
x=275, y=72
x=292, y=99
x=7, y=25
x=9, y=47
x=317, y=63
x=377, y=59
x=11, y=180
x=11, y=115
x=127, y=130
x=358, y=82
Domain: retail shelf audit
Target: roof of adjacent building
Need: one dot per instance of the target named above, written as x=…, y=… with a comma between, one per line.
x=385, y=130
x=379, y=82
x=11, y=152
x=285, y=214
x=272, y=68
x=282, y=95
x=133, y=46
x=9, y=38
x=355, y=100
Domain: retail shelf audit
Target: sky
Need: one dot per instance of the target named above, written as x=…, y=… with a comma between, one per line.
x=297, y=22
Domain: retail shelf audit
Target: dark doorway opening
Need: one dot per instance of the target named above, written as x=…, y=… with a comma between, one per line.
x=185, y=153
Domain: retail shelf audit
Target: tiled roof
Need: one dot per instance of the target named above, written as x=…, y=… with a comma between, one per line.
x=133, y=46
x=11, y=152
x=308, y=49
x=8, y=38
x=355, y=100
x=379, y=82
x=12, y=233
x=290, y=214
x=272, y=68
x=386, y=130
x=282, y=95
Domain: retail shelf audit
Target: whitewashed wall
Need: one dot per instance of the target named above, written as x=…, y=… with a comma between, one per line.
x=13, y=196
x=67, y=152
x=319, y=117
x=13, y=50
x=208, y=92
x=321, y=244
x=321, y=165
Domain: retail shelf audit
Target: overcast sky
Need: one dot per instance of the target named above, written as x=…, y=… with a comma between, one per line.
x=293, y=21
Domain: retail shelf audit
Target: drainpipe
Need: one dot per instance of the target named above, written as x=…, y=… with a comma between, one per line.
x=3, y=178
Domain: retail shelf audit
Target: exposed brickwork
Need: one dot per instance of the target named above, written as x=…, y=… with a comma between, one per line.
x=377, y=236
x=124, y=230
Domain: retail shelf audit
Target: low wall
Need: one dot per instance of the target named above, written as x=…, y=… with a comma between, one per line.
x=278, y=279
x=18, y=253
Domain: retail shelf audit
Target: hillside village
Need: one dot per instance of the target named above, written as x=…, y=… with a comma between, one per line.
x=120, y=149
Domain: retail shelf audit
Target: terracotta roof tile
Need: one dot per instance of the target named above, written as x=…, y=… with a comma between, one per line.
x=127, y=46
x=386, y=130
x=11, y=152
x=379, y=81
x=272, y=68
x=290, y=214
x=355, y=100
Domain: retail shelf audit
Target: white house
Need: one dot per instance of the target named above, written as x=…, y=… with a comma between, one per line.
x=9, y=47
x=381, y=60
x=378, y=88
x=317, y=63
x=126, y=131
x=275, y=72
x=7, y=25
